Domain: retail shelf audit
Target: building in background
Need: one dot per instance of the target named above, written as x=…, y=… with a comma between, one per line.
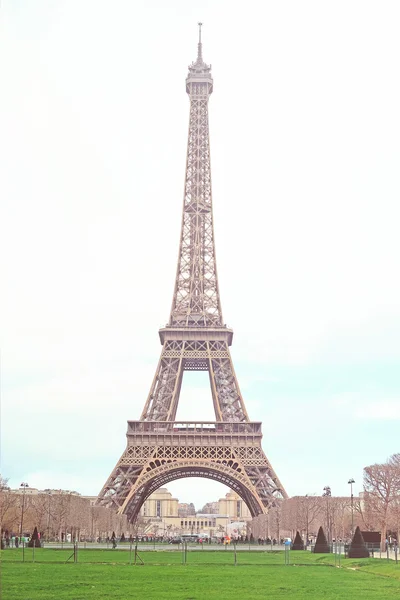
x=210, y=508
x=165, y=516
x=160, y=504
x=233, y=506
x=185, y=509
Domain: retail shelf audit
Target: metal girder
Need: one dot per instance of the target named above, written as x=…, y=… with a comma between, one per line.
x=135, y=478
x=178, y=356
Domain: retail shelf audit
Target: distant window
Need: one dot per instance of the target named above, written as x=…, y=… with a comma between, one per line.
x=181, y=523
x=158, y=508
x=238, y=508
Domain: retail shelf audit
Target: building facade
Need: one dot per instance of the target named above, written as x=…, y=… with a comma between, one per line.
x=161, y=504
x=165, y=516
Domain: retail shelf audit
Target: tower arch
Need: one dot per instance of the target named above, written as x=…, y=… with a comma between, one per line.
x=163, y=474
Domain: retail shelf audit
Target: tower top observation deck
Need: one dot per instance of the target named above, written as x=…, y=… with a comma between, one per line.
x=199, y=71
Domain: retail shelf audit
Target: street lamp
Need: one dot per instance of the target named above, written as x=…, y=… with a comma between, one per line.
x=351, y=481
x=24, y=486
x=48, y=518
x=307, y=518
x=328, y=493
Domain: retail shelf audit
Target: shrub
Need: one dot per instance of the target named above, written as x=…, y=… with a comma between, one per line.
x=35, y=539
x=358, y=548
x=298, y=543
x=321, y=545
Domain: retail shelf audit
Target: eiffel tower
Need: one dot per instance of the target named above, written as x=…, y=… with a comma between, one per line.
x=160, y=449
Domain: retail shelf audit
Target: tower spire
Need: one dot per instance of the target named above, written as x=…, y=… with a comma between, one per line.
x=200, y=46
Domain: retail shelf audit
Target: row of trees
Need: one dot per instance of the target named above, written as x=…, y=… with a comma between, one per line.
x=377, y=509
x=380, y=508
x=307, y=513
x=58, y=513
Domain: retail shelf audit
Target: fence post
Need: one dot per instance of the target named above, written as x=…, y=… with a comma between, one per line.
x=234, y=549
x=23, y=550
x=130, y=552
x=287, y=549
x=33, y=551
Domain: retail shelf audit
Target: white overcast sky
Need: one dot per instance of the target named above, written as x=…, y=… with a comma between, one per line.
x=305, y=143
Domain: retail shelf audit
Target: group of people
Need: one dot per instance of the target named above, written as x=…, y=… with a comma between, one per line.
x=268, y=541
x=13, y=541
x=391, y=543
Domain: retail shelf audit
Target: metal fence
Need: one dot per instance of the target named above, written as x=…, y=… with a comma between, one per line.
x=130, y=553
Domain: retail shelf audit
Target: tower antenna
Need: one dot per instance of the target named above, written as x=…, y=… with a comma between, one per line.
x=199, y=46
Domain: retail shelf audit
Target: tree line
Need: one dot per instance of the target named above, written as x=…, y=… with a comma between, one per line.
x=376, y=509
x=60, y=515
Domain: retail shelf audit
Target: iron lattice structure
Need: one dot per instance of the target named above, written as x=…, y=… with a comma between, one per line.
x=159, y=449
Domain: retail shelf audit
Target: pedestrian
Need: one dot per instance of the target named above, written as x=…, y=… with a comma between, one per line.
x=114, y=540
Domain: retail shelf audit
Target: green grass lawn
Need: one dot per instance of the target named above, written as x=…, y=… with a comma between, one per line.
x=106, y=574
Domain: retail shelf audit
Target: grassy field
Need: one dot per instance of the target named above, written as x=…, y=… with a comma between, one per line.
x=106, y=574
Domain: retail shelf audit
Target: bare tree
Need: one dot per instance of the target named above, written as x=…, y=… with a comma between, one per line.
x=8, y=507
x=308, y=511
x=140, y=526
x=60, y=510
x=367, y=518
x=341, y=516
x=382, y=488
x=394, y=461
x=37, y=513
x=275, y=521
x=394, y=517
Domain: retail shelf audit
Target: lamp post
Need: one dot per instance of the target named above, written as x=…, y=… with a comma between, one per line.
x=91, y=523
x=351, y=481
x=328, y=493
x=48, y=518
x=24, y=486
x=307, y=515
